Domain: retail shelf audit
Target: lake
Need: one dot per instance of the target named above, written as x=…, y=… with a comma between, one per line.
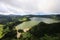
x=46, y=20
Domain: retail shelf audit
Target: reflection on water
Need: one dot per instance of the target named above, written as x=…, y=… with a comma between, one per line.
x=46, y=20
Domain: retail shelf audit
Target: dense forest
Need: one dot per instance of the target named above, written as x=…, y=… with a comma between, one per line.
x=39, y=31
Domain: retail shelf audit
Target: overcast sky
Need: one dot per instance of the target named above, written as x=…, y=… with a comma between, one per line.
x=23, y=7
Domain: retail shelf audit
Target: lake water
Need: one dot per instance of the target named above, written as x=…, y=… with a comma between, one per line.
x=46, y=20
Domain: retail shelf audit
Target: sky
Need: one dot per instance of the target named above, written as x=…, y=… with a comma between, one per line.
x=25, y=7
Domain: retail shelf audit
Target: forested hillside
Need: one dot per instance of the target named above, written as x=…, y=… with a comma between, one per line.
x=23, y=28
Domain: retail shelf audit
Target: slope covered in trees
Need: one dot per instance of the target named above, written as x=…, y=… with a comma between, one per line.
x=38, y=30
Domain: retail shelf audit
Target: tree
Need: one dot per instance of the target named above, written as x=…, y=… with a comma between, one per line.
x=24, y=19
x=1, y=32
x=46, y=37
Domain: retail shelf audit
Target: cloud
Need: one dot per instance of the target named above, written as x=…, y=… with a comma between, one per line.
x=8, y=9
x=30, y=6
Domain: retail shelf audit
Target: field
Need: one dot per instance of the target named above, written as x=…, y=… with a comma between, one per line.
x=27, y=24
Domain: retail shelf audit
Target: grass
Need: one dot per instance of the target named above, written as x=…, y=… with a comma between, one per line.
x=27, y=24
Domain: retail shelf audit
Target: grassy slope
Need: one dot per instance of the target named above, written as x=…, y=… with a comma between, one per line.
x=27, y=24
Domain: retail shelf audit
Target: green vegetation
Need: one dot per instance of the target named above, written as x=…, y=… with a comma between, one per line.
x=24, y=19
x=27, y=24
x=35, y=30
x=1, y=31
x=46, y=37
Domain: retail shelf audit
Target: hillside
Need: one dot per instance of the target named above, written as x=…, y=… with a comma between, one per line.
x=27, y=24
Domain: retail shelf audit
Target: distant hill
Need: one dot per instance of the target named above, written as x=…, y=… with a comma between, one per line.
x=45, y=16
x=9, y=18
